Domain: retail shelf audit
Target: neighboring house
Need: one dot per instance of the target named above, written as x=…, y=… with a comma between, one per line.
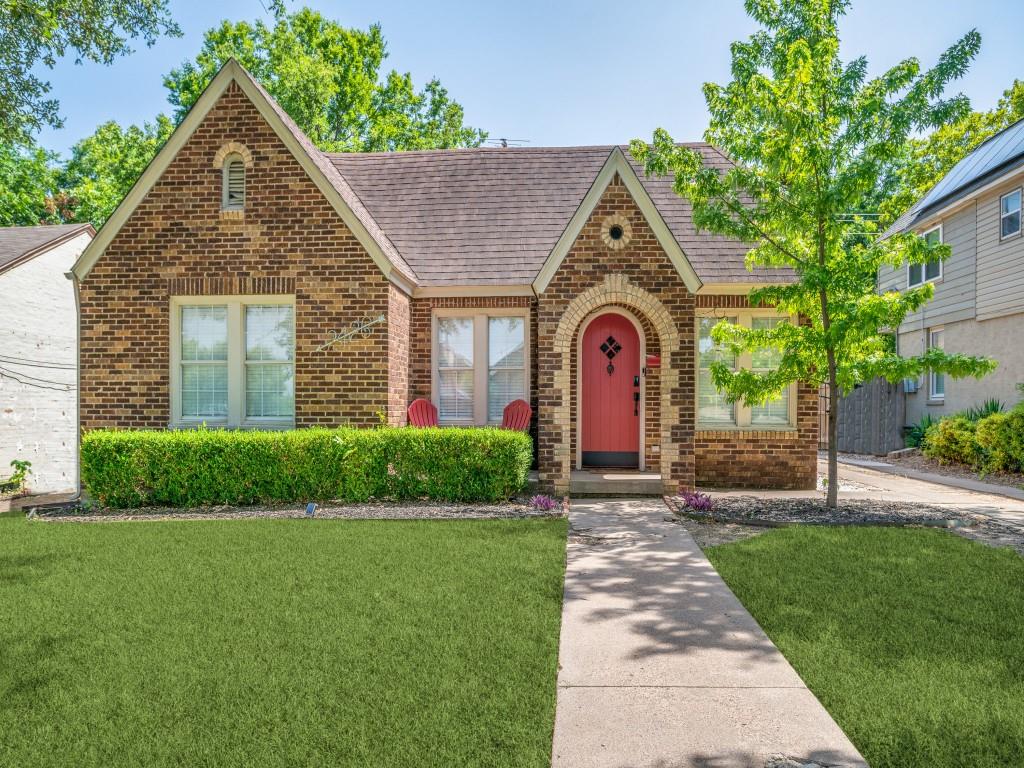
x=978, y=308
x=249, y=280
x=38, y=352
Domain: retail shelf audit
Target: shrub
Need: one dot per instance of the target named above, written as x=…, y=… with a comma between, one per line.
x=979, y=412
x=953, y=440
x=202, y=467
x=1001, y=437
x=915, y=435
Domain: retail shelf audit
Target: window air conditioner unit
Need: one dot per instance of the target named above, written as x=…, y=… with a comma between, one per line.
x=910, y=386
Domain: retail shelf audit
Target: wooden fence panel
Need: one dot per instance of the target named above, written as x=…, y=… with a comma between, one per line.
x=871, y=419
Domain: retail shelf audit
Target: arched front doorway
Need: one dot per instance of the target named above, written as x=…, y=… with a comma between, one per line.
x=611, y=391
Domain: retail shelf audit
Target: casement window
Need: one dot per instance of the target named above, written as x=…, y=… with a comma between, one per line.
x=480, y=364
x=936, y=381
x=713, y=410
x=918, y=274
x=712, y=407
x=233, y=193
x=1009, y=214
x=765, y=360
x=233, y=361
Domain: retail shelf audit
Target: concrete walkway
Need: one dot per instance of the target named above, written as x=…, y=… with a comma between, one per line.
x=932, y=478
x=660, y=664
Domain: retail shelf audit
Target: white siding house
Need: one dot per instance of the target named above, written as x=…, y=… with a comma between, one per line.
x=38, y=353
x=978, y=308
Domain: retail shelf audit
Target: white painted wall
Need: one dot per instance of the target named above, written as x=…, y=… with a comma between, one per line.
x=38, y=324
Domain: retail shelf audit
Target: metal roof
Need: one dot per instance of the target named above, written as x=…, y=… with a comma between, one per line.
x=990, y=157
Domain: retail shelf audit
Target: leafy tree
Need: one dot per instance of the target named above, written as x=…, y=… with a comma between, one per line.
x=105, y=165
x=812, y=138
x=328, y=79
x=27, y=181
x=927, y=160
x=39, y=32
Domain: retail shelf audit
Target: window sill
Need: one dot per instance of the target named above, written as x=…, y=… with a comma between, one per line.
x=232, y=214
x=247, y=426
x=935, y=401
x=752, y=431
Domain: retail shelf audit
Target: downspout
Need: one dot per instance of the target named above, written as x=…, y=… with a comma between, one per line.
x=78, y=386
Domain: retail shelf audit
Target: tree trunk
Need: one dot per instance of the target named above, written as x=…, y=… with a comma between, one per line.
x=832, y=488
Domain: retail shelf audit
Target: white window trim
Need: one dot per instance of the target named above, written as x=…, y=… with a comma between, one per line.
x=236, y=417
x=933, y=396
x=938, y=277
x=481, y=361
x=1019, y=212
x=742, y=411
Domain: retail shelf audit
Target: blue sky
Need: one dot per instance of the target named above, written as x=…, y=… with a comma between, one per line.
x=559, y=72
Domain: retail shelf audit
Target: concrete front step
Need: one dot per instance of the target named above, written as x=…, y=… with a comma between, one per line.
x=614, y=482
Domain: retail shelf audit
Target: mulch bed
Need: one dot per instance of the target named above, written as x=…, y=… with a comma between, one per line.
x=738, y=517
x=421, y=510
x=922, y=463
x=782, y=511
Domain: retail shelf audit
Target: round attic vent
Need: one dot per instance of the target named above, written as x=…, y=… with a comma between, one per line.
x=616, y=231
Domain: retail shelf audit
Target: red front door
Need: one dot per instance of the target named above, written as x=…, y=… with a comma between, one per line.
x=610, y=411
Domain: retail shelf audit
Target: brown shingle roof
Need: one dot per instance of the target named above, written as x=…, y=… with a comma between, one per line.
x=492, y=215
x=20, y=243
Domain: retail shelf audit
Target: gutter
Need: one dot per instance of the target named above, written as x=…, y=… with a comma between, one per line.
x=78, y=386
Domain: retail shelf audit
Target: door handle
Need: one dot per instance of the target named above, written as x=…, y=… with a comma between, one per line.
x=636, y=403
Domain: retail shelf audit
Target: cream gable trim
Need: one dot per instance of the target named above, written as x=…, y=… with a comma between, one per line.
x=229, y=73
x=473, y=291
x=617, y=163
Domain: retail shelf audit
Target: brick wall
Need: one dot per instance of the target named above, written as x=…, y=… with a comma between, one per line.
x=289, y=240
x=399, y=321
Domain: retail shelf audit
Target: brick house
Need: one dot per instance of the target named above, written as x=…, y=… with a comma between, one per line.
x=251, y=280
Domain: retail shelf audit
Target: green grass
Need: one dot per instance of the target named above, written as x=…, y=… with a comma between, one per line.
x=913, y=639
x=279, y=642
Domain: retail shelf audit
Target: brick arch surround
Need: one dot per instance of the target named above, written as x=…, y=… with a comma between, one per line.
x=615, y=289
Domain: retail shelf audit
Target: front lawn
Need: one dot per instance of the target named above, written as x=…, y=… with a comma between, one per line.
x=913, y=639
x=279, y=642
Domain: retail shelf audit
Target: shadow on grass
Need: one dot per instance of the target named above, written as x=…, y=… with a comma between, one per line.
x=17, y=569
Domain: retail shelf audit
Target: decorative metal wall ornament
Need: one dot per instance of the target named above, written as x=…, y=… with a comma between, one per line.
x=362, y=327
x=616, y=231
x=611, y=348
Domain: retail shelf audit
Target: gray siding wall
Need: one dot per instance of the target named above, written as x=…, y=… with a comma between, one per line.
x=1000, y=262
x=955, y=292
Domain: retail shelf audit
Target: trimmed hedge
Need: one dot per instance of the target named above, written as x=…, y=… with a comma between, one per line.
x=994, y=443
x=201, y=467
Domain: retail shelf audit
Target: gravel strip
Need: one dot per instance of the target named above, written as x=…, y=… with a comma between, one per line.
x=774, y=512
x=425, y=510
x=731, y=514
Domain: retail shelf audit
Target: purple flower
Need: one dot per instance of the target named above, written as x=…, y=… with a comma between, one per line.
x=543, y=503
x=700, y=502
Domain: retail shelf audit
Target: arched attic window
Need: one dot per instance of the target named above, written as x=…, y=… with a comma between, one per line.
x=233, y=198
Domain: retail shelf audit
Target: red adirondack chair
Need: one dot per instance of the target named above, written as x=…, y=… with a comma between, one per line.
x=517, y=416
x=422, y=413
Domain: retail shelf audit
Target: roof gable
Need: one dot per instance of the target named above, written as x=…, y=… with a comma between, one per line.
x=320, y=171
x=20, y=244
x=617, y=164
